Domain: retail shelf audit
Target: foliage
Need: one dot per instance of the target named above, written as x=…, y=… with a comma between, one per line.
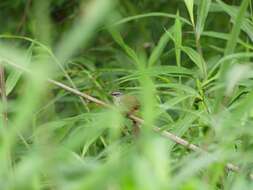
x=189, y=63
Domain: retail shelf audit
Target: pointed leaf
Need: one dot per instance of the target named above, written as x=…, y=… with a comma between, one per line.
x=15, y=75
x=158, y=50
x=203, y=9
x=178, y=39
x=189, y=5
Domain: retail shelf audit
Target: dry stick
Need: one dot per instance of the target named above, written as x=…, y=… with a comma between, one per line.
x=3, y=96
x=166, y=134
x=78, y=93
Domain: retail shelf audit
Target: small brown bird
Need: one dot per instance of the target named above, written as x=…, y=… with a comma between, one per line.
x=129, y=105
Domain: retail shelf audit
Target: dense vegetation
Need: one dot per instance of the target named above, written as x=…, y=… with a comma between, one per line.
x=189, y=63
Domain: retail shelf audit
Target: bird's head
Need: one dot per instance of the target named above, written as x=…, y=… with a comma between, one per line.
x=116, y=94
x=117, y=97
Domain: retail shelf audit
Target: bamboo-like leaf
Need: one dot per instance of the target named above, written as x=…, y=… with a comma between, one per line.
x=233, y=12
x=195, y=57
x=231, y=44
x=203, y=9
x=152, y=14
x=129, y=51
x=179, y=87
x=182, y=126
x=225, y=36
x=15, y=75
x=230, y=47
x=158, y=50
x=189, y=5
x=178, y=39
x=158, y=71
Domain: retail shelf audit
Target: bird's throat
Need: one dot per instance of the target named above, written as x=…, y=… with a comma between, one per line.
x=117, y=100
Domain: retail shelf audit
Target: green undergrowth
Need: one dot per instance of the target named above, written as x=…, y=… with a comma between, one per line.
x=188, y=62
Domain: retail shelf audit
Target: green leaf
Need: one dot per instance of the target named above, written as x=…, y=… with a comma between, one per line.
x=12, y=80
x=225, y=36
x=181, y=127
x=129, y=51
x=230, y=57
x=179, y=87
x=160, y=70
x=178, y=39
x=167, y=70
x=231, y=44
x=230, y=47
x=195, y=57
x=15, y=75
x=203, y=9
x=152, y=14
x=158, y=50
x=189, y=5
x=232, y=11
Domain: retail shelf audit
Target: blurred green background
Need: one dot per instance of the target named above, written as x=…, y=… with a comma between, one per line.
x=189, y=62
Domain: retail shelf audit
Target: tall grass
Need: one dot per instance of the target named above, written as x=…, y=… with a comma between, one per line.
x=188, y=62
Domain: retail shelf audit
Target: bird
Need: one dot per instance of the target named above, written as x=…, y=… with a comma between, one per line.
x=129, y=105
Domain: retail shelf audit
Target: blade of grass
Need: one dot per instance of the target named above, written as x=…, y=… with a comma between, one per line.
x=225, y=36
x=203, y=9
x=15, y=75
x=129, y=51
x=178, y=39
x=189, y=5
x=231, y=44
x=158, y=50
x=154, y=14
x=196, y=58
x=232, y=11
x=230, y=47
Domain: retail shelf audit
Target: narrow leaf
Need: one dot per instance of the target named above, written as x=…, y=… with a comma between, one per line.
x=15, y=75
x=195, y=57
x=189, y=5
x=231, y=44
x=178, y=39
x=203, y=9
x=129, y=51
x=232, y=11
x=158, y=50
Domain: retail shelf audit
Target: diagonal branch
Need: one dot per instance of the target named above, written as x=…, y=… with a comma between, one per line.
x=166, y=134
x=3, y=97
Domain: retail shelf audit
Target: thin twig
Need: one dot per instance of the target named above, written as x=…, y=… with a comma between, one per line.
x=166, y=134
x=78, y=93
x=3, y=97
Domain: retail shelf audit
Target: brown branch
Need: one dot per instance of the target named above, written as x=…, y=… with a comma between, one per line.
x=3, y=97
x=166, y=134
x=78, y=93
